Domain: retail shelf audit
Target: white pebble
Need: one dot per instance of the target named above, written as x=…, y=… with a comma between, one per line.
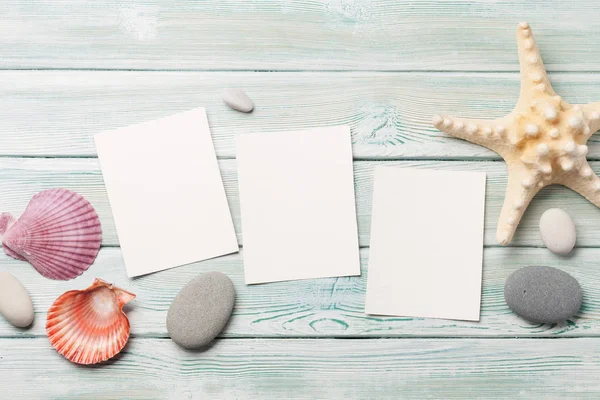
x=238, y=100
x=15, y=303
x=558, y=231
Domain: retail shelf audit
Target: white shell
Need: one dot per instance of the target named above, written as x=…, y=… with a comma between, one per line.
x=15, y=303
x=558, y=231
x=238, y=100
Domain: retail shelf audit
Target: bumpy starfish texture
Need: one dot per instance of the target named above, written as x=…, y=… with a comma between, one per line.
x=543, y=140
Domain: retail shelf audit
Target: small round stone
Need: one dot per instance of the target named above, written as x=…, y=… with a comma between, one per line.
x=15, y=304
x=543, y=294
x=201, y=310
x=238, y=100
x=558, y=231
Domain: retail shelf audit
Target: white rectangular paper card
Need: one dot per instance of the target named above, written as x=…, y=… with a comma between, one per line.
x=166, y=193
x=426, y=244
x=297, y=204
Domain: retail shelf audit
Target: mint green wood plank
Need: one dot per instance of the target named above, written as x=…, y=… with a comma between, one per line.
x=294, y=34
x=56, y=113
x=20, y=179
x=312, y=369
x=331, y=307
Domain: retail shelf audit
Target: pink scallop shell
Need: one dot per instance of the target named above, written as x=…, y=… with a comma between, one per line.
x=59, y=234
x=89, y=326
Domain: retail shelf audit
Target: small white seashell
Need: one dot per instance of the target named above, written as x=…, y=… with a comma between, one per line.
x=238, y=100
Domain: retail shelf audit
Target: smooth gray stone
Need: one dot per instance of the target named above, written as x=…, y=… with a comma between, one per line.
x=238, y=100
x=558, y=231
x=15, y=302
x=543, y=294
x=201, y=310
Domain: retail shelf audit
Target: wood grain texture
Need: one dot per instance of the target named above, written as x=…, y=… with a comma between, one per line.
x=313, y=369
x=56, y=113
x=331, y=307
x=475, y=35
x=384, y=67
x=21, y=178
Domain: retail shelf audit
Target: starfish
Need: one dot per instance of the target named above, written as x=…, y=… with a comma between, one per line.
x=543, y=140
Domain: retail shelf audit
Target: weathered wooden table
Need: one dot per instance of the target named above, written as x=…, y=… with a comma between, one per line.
x=71, y=68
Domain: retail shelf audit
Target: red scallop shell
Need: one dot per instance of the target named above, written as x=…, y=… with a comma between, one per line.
x=59, y=234
x=89, y=326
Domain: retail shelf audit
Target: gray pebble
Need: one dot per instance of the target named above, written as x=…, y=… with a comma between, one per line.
x=543, y=294
x=558, y=231
x=201, y=310
x=15, y=303
x=238, y=100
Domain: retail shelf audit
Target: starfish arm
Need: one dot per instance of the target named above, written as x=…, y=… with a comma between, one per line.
x=585, y=182
x=592, y=116
x=523, y=185
x=490, y=133
x=533, y=73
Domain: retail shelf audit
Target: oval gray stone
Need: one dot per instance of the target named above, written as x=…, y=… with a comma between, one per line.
x=201, y=310
x=15, y=302
x=238, y=100
x=543, y=294
x=558, y=231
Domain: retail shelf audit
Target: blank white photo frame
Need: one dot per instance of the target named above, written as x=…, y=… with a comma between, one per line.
x=297, y=205
x=426, y=244
x=166, y=193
